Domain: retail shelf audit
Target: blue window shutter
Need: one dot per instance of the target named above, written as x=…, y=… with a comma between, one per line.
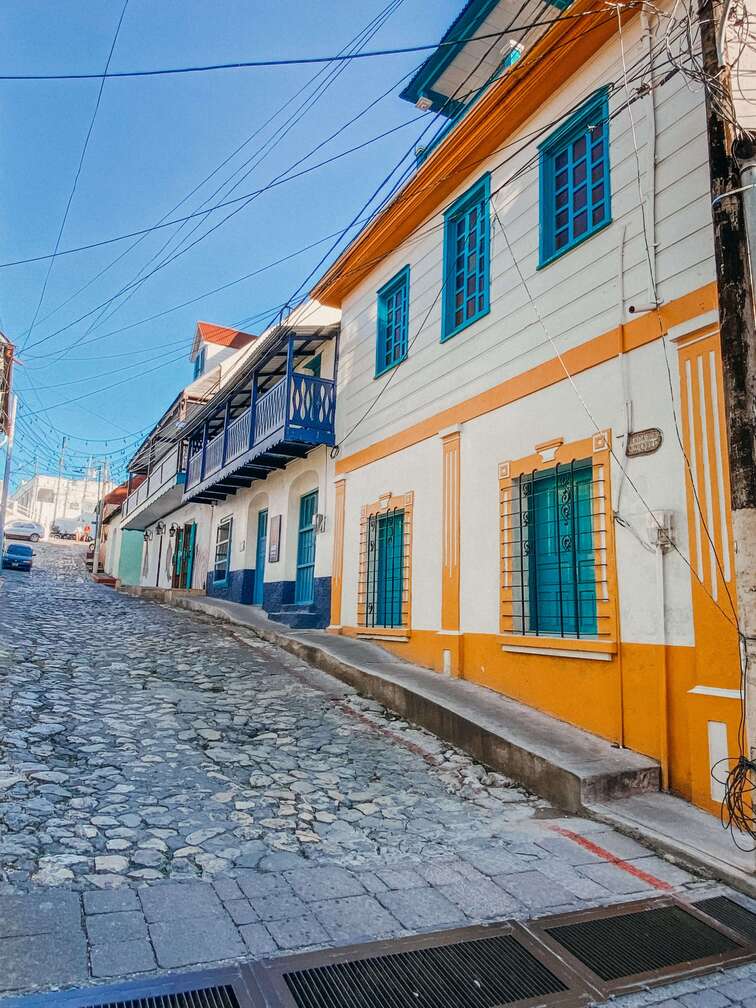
x=392, y=339
x=199, y=363
x=560, y=557
x=467, y=252
x=575, y=193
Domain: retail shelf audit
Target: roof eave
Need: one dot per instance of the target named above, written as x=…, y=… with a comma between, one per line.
x=509, y=102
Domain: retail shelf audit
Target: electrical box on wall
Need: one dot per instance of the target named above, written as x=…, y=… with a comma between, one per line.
x=660, y=528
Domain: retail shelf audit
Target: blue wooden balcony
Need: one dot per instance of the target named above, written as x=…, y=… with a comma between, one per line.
x=261, y=425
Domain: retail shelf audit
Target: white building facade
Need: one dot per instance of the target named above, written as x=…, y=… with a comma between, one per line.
x=532, y=485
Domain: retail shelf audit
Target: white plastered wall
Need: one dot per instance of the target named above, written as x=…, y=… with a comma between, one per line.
x=280, y=494
x=201, y=514
x=584, y=293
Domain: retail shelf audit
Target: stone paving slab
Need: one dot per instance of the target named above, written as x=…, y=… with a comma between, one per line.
x=173, y=794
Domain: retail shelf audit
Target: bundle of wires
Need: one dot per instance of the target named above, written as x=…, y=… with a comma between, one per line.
x=738, y=776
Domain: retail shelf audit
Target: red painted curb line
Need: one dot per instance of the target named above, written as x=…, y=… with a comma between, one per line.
x=607, y=855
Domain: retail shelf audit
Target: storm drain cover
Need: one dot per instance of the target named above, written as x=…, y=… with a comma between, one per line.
x=731, y=914
x=232, y=987
x=623, y=945
x=204, y=997
x=479, y=973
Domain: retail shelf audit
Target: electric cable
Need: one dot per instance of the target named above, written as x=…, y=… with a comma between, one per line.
x=294, y=61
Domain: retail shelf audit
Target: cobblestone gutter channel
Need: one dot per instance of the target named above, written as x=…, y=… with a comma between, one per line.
x=173, y=794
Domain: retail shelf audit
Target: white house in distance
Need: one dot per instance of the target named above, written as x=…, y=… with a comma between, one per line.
x=48, y=499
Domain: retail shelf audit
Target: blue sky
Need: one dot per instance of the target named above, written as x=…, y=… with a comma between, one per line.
x=154, y=140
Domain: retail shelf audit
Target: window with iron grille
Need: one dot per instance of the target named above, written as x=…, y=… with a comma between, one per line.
x=575, y=190
x=550, y=552
x=383, y=596
x=466, y=259
x=393, y=322
x=222, y=551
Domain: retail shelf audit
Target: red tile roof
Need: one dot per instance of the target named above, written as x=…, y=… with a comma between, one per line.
x=223, y=336
x=118, y=495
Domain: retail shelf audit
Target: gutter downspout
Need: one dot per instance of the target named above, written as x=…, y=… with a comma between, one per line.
x=659, y=551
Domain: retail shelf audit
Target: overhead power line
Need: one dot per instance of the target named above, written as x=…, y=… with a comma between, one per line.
x=78, y=170
x=291, y=61
x=216, y=206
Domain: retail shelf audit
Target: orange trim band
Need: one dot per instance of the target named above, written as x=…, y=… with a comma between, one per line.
x=599, y=350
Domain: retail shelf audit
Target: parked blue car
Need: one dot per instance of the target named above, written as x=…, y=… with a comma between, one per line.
x=17, y=556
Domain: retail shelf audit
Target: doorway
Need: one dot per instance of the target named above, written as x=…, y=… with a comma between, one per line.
x=260, y=554
x=304, y=588
x=183, y=559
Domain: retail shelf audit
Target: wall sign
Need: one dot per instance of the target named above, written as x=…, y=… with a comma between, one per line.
x=274, y=539
x=643, y=442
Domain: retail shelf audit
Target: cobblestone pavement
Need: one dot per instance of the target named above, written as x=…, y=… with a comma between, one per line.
x=173, y=793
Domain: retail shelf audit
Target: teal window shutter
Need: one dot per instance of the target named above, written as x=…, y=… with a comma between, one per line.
x=558, y=552
x=384, y=569
x=575, y=193
x=510, y=59
x=467, y=243
x=199, y=363
x=393, y=322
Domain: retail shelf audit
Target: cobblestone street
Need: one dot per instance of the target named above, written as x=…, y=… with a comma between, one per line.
x=173, y=793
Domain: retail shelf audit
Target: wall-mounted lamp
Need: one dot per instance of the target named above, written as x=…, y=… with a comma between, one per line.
x=173, y=530
x=160, y=528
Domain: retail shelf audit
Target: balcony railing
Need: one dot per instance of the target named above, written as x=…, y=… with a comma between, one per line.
x=162, y=474
x=298, y=408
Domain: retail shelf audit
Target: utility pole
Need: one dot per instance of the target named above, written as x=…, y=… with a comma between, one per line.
x=7, y=467
x=732, y=157
x=100, y=511
x=61, y=462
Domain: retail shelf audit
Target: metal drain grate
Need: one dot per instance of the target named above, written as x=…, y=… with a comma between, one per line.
x=731, y=914
x=483, y=973
x=492, y=967
x=232, y=987
x=204, y=997
x=619, y=946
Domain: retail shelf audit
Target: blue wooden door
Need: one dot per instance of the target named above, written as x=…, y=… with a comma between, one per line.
x=262, y=549
x=304, y=589
x=561, y=577
x=390, y=579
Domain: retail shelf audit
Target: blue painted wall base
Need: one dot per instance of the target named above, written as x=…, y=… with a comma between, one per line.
x=278, y=598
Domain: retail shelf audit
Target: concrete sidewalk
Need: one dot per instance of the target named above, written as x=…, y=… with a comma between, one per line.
x=575, y=770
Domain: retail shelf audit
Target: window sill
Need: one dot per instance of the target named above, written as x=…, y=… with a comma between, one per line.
x=390, y=367
x=542, y=263
x=400, y=635
x=446, y=336
x=564, y=647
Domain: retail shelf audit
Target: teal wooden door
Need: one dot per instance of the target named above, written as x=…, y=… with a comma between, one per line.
x=390, y=574
x=304, y=588
x=262, y=549
x=561, y=578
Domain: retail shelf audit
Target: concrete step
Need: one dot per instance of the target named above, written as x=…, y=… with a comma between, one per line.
x=568, y=766
x=296, y=618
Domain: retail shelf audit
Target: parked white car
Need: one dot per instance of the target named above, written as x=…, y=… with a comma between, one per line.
x=30, y=530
